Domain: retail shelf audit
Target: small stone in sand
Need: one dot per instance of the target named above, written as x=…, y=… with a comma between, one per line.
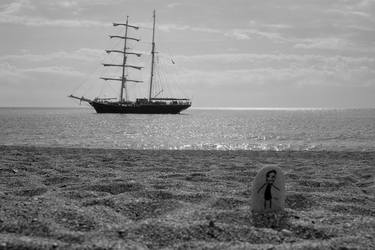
x=286, y=232
x=268, y=191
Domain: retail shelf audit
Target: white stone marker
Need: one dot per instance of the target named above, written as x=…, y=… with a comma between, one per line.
x=268, y=191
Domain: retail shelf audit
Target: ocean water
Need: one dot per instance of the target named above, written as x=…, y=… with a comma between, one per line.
x=301, y=130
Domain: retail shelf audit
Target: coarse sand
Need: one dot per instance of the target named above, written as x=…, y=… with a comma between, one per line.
x=62, y=198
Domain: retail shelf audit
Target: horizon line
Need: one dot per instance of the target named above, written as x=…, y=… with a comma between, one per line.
x=203, y=108
x=279, y=108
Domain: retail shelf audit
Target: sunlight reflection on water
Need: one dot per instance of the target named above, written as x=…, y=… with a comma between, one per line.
x=300, y=130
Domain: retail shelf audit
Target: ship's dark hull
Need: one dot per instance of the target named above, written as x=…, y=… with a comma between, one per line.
x=137, y=108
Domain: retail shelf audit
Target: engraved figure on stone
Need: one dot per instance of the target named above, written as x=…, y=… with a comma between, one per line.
x=268, y=186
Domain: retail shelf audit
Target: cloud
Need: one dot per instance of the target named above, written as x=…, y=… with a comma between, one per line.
x=274, y=60
x=8, y=71
x=83, y=54
x=322, y=43
x=43, y=22
x=217, y=69
x=275, y=70
x=271, y=80
x=238, y=34
x=348, y=13
x=246, y=34
x=174, y=5
x=17, y=67
x=333, y=44
x=16, y=13
x=276, y=26
x=16, y=7
x=66, y=4
x=172, y=27
x=56, y=70
x=9, y=74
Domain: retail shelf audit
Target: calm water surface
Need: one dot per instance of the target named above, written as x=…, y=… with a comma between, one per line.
x=338, y=130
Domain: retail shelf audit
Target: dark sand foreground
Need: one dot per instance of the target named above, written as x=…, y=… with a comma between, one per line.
x=123, y=199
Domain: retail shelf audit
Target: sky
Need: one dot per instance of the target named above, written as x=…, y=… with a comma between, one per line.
x=238, y=53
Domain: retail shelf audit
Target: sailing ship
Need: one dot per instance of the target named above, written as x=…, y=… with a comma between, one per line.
x=144, y=105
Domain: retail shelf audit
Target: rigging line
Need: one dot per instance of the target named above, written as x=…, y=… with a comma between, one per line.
x=178, y=90
x=106, y=83
x=157, y=86
x=158, y=81
x=172, y=91
x=83, y=83
x=167, y=81
x=159, y=76
x=114, y=91
x=179, y=68
x=91, y=73
x=111, y=58
x=110, y=92
x=161, y=88
x=101, y=90
x=87, y=78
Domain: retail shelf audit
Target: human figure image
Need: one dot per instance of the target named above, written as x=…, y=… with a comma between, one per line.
x=268, y=185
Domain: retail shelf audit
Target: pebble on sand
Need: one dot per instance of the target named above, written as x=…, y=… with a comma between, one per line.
x=268, y=191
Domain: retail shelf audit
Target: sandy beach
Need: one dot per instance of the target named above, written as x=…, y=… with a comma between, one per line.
x=58, y=198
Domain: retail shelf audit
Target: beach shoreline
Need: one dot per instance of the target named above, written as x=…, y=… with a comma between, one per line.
x=64, y=198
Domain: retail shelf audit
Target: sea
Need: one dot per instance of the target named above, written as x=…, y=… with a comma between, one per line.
x=194, y=129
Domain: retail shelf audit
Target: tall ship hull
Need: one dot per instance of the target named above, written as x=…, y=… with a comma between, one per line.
x=138, y=108
x=153, y=103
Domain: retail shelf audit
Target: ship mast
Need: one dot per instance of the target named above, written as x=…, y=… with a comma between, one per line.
x=123, y=82
x=123, y=77
x=152, y=58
